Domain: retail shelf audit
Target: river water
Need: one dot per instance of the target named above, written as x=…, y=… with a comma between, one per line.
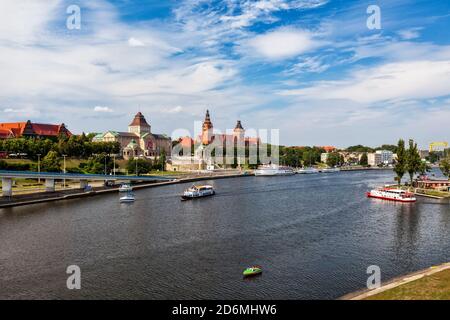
x=314, y=236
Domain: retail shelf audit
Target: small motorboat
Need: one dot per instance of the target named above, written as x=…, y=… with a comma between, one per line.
x=198, y=192
x=309, y=170
x=252, y=271
x=329, y=170
x=128, y=198
x=125, y=188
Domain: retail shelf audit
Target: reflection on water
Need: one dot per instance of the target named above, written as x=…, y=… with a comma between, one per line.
x=314, y=236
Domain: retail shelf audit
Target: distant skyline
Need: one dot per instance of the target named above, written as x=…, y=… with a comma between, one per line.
x=311, y=68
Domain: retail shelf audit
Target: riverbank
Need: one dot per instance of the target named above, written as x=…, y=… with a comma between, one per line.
x=40, y=197
x=429, y=284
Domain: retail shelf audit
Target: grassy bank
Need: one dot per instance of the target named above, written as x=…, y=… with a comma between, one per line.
x=429, y=287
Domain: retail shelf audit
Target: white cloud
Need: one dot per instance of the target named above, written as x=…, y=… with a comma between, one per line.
x=308, y=64
x=408, y=34
x=176, y=109
x=133, y=42
x=402, y=80
x=25, y=21
x=102, y=109
x=282, y=43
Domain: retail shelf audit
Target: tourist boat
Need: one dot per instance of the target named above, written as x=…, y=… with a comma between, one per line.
x=328, y=170
x=274, y=170
x=198, y=192
x=252, y=271
x=129, y=197
x=307, y=170
x=392, y=194
x=125, y=188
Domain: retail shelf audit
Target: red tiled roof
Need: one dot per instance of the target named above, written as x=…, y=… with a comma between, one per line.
x=230, y=138
x=46, y=129
x=15, y=127
x=41, y=129
x=328, y=148
x=5, y=133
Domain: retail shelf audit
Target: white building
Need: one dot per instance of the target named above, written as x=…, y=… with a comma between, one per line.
x=384, y=157
x=324, y=157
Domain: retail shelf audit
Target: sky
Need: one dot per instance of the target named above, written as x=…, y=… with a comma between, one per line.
x=310, y=68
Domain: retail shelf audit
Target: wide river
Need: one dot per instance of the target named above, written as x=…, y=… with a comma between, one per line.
x=314, y=236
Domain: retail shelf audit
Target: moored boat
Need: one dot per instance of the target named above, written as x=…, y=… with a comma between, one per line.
x=392, y=194
x=252, y=271
x=125, y=188
x=307, y=170
x=328, y=170
x=198, y=192
x=274, y=170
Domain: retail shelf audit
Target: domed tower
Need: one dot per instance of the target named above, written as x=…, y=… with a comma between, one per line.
x=239, y=132
x=139, y=125
x=207, y=130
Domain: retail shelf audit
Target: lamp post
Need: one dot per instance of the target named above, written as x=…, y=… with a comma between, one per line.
x=114, y=164
x=136, y=162
x=39, y=167
x=64, y=180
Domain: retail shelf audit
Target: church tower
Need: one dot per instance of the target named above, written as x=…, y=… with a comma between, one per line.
x=207, y=130
x=139, y=125
x=239, y=133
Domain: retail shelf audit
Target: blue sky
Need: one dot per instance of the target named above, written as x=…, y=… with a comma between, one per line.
x=310, y=68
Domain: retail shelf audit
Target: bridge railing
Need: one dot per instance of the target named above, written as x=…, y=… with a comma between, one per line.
x=76, y=176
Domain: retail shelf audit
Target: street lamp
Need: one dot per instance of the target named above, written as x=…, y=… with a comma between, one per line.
x=136, y=162
x=64, y=180
x=114, y=164
x=39, y=167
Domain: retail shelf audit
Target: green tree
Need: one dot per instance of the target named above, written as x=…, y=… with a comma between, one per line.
x=413, y=160
x=51, y=162
x=334, y=159
x=424, y=168
x=98, y=164
x=364, y=161
x=444, y=165
x=141, y=165
x=433, y=157
x=359, y=148
x=162, y=160
x=400, y=165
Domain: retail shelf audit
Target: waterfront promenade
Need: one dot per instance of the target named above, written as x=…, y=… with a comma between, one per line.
x=431, y=283
x=71, y=193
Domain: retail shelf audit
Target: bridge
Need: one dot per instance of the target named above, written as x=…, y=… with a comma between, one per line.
x=50, y=177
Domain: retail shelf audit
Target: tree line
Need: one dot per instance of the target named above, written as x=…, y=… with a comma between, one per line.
x=408, y=161
x=51, y=152
x=77, y=146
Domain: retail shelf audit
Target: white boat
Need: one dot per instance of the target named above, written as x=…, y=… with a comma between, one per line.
x=198, y=192
x=125, y=188
x=273, y=170
x=307, y=170
x=328, y=170
x=129, y=197
x=392, y=194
